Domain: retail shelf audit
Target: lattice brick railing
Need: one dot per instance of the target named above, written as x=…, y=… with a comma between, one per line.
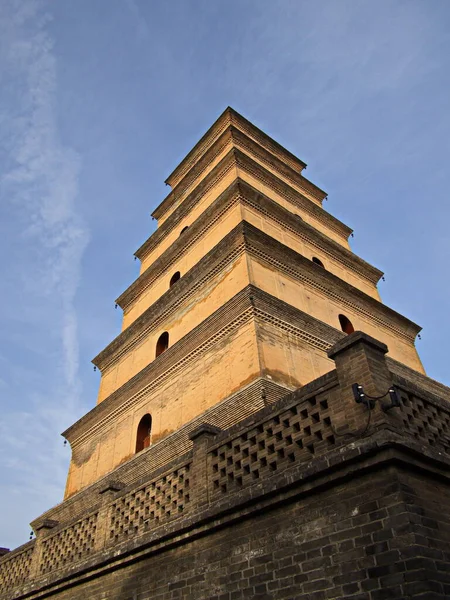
x=425, y=420
x=15, y=569
x=293, y=435
x=68, y=545
x=286, y=434
x=153, y=503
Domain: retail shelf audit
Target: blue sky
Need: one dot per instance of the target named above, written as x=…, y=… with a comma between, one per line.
x=100, y=99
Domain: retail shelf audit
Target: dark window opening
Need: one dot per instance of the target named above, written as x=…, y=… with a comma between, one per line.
x=346, y=324
x=175, y=277
x=162, y=344
x=317, y=261
x=184, y=229
x=144, y=432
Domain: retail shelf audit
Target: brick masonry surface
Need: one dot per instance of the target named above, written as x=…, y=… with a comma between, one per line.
x=378, y=536
x=249, y=489
x=306, y=498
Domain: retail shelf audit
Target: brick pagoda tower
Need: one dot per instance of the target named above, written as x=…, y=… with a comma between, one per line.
x=241, y=342
x=244, y=285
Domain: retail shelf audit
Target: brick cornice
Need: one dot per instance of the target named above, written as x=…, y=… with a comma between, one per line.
x=248, y=304
x=381, y=451
x=252, y=167
x=227, y=118
x=302, y=269
x=235, y=312
x=241, y=191
x=249, y=147
x=195, y=173
x=225, y=252
x=236, y=158
x=227, y=163
x=237, y=139
x=246, y=237
x=161, y=455
x=181, y=245
x=308, y=233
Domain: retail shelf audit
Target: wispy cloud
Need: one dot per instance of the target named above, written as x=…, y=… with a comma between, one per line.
x=142, y=30
x=38, y=190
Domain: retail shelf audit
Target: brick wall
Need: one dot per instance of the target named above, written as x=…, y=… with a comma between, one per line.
x=375, y=537
x=310, y=497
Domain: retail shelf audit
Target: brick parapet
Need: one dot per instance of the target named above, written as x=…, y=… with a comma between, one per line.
x=16, y=566
x=307, y=442
x=382, y=450
x=418, y=383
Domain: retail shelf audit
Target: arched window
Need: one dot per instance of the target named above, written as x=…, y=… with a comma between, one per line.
x=317, y=261
x=346, y=324
x=184, y=229
x=162, y=344
x=175, y=277
x=144, y=432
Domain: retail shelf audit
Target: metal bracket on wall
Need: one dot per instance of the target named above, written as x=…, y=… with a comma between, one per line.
x=360, y=396
x=369, y=401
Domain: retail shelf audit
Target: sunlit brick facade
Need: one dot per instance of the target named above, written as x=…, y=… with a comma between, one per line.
x=226, y=430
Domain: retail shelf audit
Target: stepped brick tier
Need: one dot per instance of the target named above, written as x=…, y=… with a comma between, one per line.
x=264, y=426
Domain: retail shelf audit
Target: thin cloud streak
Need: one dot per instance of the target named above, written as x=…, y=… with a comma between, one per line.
x=40, y=187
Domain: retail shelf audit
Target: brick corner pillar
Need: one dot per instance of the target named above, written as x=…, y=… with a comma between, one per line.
x=202, y=437
x=42, y=528
x=108, y=492
x=361, y=359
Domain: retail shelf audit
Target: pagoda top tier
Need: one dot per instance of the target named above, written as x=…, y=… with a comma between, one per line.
x=228, y=118
x=232, y=130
